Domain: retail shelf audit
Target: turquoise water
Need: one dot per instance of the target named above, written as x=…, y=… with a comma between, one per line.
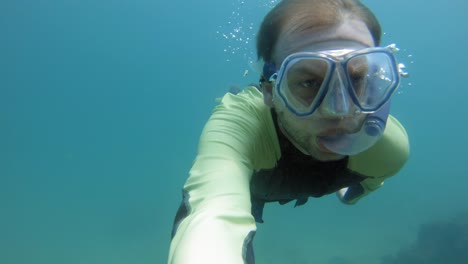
x=102, y=103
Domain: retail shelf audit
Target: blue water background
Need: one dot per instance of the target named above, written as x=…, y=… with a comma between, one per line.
x=102, y=103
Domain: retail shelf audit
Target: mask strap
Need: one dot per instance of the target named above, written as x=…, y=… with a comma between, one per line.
x=269, y=69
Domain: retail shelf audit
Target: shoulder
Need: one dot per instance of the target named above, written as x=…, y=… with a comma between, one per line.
x=245, y=109
x=249, y=99
x=241, y=124
x=387, y=156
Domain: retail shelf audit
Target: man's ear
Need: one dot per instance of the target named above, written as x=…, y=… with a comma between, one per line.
x=267, y=90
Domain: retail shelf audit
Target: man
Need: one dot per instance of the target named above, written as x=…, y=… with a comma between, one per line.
x=321, y=125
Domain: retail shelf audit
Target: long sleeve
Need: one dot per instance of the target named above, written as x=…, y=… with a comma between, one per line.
x=214, y=223
x=382, y=160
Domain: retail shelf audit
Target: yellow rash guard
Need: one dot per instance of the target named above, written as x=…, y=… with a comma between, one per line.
x=214, y=223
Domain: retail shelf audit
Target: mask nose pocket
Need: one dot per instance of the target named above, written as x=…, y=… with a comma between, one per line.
x=337, y=102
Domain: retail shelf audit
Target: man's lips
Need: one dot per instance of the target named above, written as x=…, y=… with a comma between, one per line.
x=333, y=132
x=322, y=146
x=334, y=135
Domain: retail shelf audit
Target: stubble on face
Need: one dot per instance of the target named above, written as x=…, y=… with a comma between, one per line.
x=302, y=133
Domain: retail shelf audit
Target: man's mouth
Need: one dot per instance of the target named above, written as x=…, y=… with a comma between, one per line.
x=335, y=135
x=333, y=132
x=322, y=146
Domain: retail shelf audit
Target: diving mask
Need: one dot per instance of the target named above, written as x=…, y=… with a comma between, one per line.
x=342, y=83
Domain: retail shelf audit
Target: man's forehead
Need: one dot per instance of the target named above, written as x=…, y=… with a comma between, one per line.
x=351, y=33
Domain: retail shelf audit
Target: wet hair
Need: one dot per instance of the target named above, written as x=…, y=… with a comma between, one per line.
x=312, y=15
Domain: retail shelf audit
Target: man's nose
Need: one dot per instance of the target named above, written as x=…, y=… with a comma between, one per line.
x=337, y=101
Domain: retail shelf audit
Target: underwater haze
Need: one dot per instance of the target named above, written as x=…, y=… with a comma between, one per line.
x=102, y=104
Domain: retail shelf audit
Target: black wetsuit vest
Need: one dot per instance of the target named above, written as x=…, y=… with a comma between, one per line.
x=297, y=176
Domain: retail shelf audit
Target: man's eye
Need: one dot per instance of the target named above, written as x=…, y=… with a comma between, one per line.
x=311, y=83
x=358, y=82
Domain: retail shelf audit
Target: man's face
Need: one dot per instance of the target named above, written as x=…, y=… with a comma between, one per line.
x=304, y=132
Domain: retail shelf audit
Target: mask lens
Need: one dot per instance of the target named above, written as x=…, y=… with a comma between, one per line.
x=369, y=76
x=372, y=79
x=303, y=83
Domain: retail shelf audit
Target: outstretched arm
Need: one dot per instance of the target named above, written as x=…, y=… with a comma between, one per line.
x=214, y=223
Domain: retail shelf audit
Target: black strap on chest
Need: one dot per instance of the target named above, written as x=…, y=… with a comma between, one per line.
x=297, y=176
